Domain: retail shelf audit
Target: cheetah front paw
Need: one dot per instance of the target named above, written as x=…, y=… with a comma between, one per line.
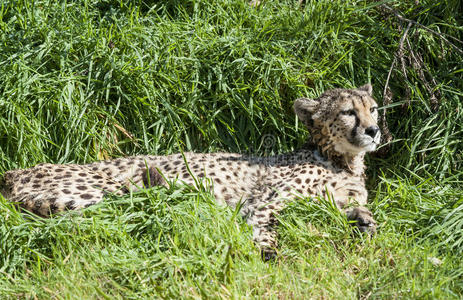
x=363, y=219
x=268, y=254
x=266, y=241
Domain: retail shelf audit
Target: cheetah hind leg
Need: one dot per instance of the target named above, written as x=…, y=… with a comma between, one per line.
x=151, y=177
x=143, y=178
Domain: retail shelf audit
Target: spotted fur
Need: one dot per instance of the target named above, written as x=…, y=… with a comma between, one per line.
x=342, y=124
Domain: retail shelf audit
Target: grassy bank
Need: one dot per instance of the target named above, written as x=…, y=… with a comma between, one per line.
x=87, y=80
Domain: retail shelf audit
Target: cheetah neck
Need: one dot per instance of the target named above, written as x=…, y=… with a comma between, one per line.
x=353, y=164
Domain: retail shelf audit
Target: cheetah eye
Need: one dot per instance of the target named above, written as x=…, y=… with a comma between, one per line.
x=373, y=109
x=350, y=112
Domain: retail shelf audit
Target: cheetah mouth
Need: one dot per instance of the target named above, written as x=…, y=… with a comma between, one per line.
x=366, y=143
x=370, y=147
x=355, y=146
x=361, y=143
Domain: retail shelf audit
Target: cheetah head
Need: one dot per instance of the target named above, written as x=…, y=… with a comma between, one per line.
x=342, y=119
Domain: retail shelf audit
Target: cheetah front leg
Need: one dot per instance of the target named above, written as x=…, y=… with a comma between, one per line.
x=261, y=211
x=263, y=233
x=360, y=216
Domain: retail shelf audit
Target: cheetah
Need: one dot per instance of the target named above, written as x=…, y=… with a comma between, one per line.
x=342, y=124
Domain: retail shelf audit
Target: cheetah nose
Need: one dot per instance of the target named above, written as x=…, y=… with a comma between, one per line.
x=372, y=131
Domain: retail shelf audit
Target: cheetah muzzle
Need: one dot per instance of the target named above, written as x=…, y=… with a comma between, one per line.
x=342, y=125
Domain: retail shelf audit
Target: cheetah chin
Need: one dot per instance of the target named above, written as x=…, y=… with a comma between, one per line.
x=342, y=124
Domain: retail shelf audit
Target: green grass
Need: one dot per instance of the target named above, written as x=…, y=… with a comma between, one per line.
x=87, y=80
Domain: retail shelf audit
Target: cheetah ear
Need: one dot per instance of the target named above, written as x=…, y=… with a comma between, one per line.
x=304, y=109
x=366, y=88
